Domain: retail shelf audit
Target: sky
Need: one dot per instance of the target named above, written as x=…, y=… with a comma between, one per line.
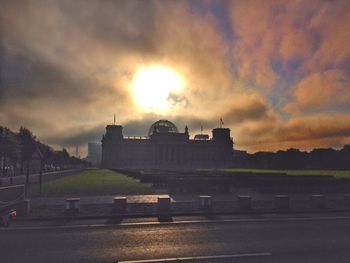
x=276, y=72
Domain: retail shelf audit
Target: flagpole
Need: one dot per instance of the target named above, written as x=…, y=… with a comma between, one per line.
x=221, y=122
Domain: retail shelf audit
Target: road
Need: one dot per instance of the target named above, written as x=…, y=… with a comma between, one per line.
x=265, y=239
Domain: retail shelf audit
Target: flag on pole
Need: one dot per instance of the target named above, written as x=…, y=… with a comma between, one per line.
x=221, y=122
x=114, y=119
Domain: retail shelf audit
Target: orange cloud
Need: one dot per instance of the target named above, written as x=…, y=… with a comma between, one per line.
x=305, y=132
x=320, y=91
x=269, y=32
x=332, y=23
x=255, y=42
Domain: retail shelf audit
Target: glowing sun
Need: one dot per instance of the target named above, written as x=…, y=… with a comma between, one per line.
x=153, y=87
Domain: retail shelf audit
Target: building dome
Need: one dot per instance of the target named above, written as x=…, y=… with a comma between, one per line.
x=162, y=126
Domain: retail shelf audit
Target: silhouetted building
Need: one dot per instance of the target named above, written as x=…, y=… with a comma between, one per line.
x=94, y=153
x=166, y=147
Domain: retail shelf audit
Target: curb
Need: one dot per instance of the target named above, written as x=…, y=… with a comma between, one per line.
x=173, y=214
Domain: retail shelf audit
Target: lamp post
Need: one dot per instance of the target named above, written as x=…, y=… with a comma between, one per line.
x=41, y=175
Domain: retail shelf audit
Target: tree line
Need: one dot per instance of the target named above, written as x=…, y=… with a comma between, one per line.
x=22, y=153
x=323, y=158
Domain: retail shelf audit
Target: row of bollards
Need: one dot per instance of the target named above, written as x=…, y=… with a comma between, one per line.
x=244, y=202
x=283, y=202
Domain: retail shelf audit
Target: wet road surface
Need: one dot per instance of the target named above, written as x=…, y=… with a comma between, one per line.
x=246, y=239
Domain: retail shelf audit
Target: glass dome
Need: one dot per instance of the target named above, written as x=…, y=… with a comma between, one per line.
x=162, y=126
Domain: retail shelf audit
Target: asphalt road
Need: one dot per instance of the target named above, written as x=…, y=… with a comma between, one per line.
x=286, y=239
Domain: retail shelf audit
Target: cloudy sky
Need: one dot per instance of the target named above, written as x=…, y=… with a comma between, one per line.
x=276, y=72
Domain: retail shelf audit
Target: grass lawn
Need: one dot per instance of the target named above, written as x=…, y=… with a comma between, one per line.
x=93, y=182
x=336, y=173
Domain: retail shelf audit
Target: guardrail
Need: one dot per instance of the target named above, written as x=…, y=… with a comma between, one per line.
x=11, y=193
x=35, y=178
x=12, y=197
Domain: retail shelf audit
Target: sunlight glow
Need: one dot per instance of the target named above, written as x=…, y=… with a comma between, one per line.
x=153, y=87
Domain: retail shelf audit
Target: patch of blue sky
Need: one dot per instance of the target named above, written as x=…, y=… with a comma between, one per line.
x=219, y=9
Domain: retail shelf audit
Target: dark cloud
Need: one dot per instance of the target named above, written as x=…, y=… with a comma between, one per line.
x=138, y=127
x=250, y=109
x=254, y=112
x=28, y=78
x=76, y=137
x=321, y=126
x=307, y=132
x=129, y=25
x=31, y=79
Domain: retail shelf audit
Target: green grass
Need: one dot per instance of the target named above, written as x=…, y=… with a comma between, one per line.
x=93, y=182
x=336, y=173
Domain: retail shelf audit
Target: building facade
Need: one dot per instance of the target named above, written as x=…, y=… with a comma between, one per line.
x=166, y=148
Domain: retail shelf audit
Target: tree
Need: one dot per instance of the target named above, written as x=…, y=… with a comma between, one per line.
x=61, y=159
x=46, y=153
x=28, y=146
x=66, y=156
x=9, y=149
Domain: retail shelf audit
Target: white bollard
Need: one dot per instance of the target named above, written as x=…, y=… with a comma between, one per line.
x=119, y=204
x=164, y=204
x=205, y=202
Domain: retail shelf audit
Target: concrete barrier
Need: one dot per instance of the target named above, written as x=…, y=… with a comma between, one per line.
x=244, y=202
x=282, y=202
x=164, y=204
x=318, y=201
x=119, y=204
x=72, y=205
x=205, y=202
